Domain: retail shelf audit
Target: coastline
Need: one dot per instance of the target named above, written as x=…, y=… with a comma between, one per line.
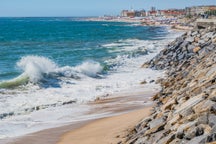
x=107, y=130
x=119, y=107
x=55, y=133
x=180, y=26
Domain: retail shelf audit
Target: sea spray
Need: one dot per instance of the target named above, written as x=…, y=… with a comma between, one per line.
x=69, y=43
x=89, y=68
x=35, y=66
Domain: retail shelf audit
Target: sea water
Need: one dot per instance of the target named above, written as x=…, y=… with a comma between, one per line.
x=50, y=67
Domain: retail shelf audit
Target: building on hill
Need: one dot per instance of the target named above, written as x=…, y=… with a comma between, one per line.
x=152, y=13
x=171, y=12
x=197, y=10
x=124, y=13
x=132, y=13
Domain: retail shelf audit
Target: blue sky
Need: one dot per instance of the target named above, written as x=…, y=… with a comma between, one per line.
x=87, y=7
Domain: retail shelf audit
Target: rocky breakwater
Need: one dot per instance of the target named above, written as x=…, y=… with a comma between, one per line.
x=185, y=110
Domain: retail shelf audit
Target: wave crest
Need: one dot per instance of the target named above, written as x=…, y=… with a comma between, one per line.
x=43, y=71
x=36, y=66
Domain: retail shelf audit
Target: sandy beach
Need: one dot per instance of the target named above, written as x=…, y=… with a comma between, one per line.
x=109, y=130
x=123, y=110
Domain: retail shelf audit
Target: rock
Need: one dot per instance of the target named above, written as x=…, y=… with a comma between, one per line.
x=203, y=119
x=198, y=140
x=189, y=39
x=213, y=130
x=180, y=134
x=190, y=48
x=201, y=41
x=204, y=106
x=214, y=40
x=212, y=120
x=169, y=104
x=189, y=104
x=196, y=39
x=186, y=126
x=174, y=119
x=178, y=141
x=211, y=138
x=196, y=49
x=184, y=44
x=181, y=56
x=193, y=132
x=155, y=129
x=143, y=82
x=167, y=139
x=211, y=71
x=194, y=33
x=211, y=47
x=143, y=140
x=156, y=122
x=145, y=65
x=185, y=108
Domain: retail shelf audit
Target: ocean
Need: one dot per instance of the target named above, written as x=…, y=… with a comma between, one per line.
x=50, y=67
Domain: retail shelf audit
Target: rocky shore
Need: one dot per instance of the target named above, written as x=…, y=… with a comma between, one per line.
x=185, y=110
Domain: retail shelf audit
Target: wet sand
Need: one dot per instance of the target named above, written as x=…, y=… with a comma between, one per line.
x=122, y=112
x=111, y=130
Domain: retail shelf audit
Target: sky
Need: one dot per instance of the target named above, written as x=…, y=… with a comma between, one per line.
x=26, y=8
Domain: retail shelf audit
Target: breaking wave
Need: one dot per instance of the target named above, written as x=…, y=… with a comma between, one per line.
x=38, y=69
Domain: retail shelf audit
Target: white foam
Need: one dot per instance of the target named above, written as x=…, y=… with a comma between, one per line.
x=89, y=68
x=35, y=66
x=127, y=75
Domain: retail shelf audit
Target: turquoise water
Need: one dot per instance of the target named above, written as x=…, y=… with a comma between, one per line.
x=50, y=68
x=66, y=41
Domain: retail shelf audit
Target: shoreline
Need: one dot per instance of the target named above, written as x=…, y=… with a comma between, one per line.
x=59, y=131
x=117, y=106
x=106, y=130
x=144, y=22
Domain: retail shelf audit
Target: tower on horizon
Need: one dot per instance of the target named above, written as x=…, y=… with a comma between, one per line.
x=153, y=8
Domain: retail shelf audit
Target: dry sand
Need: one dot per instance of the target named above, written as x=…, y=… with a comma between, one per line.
x=109, y=130
x=124, y=111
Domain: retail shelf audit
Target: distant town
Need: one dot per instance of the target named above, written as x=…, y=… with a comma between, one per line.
x=188, y=11
x=181, y=19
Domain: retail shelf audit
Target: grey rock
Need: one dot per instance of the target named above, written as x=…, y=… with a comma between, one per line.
x=178, y=141
x=211, y=138
x=166, y=139
x=211, y=71
x=186, y=112
x=143, y=140
x=194, y=33
x=156, y=122
x=203, y=119
x=212, y=120
x=185, y=126
x=213, y=129
x=180, y=134
x=190, y=48
x=204, y=106
x=190, y=39
x=203, y=52
x=193, y=132
x=205, y=44
x=208, y=35
x=213, y=98
x=181, y=56
x=184, y=44
x=213, y=108
x=211, y=47
x=189, y=103
x=198, y=140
